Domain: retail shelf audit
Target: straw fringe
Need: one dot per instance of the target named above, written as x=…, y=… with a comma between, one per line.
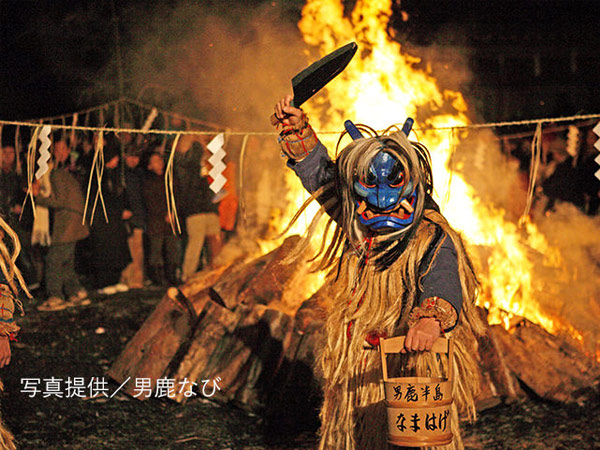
x=8, y=264
x=169, y=191
x=536, y=151
x=353, y=415
x=7, y=440
x=98, y=169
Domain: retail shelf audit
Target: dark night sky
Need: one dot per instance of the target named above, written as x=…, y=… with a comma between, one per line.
x=55, y=54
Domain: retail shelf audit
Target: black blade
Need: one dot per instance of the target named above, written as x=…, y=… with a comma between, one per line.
x=308, y=82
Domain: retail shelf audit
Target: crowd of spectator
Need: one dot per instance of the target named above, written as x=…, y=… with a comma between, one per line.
x=566, y=172
x=126, y=240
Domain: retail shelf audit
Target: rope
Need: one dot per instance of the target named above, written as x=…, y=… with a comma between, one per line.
x=72, y=136
x=63, y=136
x=274, y=133
x=98, y=162
x=517, y=123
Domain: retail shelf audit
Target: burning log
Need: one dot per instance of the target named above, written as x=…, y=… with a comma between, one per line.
x=228, y=324
x=296, y=382
x=241, y=340
x=547, y=364
x=266, y=339
x=498, y=383
x=242, y=348
x=153, y=347
x=260, y=281
x=217, y=325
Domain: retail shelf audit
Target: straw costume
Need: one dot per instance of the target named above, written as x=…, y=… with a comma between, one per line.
x=395, y=262
x=11, y=282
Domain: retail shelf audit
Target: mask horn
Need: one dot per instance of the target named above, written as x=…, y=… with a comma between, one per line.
x=407, y=126
x=352, y=130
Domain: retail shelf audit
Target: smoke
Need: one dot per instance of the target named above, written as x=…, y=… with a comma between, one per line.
x=228, y=64
x=564, y=280
x=448, y=59
x=567, y=288
x=231, y=65
x=574, y=292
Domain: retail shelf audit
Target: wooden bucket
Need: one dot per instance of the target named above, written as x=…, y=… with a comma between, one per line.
x=418, y=408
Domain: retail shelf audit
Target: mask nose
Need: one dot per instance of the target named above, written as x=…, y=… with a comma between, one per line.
x=387, y=197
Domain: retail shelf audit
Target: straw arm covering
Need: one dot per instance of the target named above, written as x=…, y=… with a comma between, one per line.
x=8, y=327
x=297, y=141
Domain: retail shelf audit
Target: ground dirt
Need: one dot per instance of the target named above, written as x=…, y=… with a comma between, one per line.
x=83, y=342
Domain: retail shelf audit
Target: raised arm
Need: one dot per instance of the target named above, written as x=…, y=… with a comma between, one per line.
x=307, y=156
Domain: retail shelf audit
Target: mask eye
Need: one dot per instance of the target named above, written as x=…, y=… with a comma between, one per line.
x=396, y=176
x=399, y=181
x=370, y=180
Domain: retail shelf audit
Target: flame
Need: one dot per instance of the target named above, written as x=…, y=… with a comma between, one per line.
x=382, y=86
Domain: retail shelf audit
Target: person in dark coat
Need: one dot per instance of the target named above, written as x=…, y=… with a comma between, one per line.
x=10, y=183
x=108, y=235
x=164, y=245
x=133, y=275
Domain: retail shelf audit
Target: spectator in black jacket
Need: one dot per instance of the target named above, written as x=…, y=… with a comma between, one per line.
x=133, y=275
x=108, y=239
x=164, y=250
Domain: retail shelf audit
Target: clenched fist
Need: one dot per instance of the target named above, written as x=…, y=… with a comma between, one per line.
x=286, y=114
x=422, y=336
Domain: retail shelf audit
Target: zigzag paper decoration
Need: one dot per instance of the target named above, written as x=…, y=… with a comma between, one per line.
x=216, y=161
x=42, y=161
x=597, y=147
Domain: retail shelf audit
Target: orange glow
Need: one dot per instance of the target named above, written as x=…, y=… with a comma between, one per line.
x=382, y=86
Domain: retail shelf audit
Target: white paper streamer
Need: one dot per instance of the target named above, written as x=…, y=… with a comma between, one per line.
x=216, y=161
x=42, y=161
x=597, y=147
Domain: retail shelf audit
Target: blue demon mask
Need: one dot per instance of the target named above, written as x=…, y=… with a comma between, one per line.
x=386, y=199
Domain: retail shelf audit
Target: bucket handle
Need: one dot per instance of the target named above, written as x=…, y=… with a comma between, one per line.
x=395, y=344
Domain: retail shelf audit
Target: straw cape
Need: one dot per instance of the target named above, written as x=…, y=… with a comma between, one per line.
x=377, y=279
x=10, y=282
x=353, y=414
